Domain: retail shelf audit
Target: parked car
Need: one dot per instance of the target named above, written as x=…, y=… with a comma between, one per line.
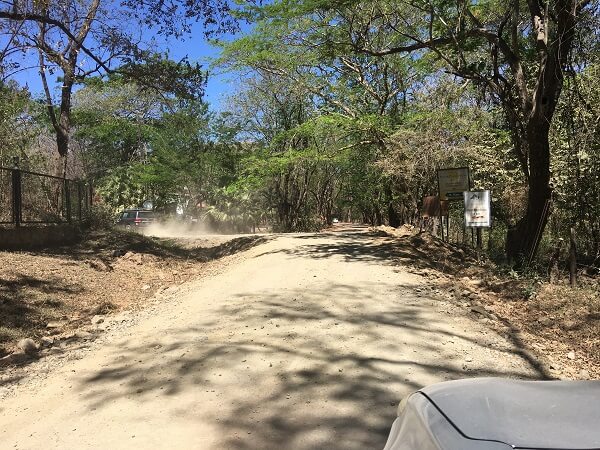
x=136, y=218
x=498, y=414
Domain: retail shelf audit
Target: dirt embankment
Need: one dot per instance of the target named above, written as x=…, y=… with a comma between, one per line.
x=47, y=295
x=559, y=324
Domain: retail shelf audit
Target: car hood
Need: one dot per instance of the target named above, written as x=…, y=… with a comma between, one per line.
x=522, y=414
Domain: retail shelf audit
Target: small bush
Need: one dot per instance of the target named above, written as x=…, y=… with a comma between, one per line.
x=100, y=217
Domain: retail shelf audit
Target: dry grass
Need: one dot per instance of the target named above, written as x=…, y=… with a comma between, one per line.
x=107, y=270
x=552, y=320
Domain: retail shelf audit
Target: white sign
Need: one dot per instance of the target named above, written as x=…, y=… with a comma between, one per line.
x=478, y=211
x=453, y=182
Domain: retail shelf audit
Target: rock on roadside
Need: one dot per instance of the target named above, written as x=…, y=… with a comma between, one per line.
x=97, y=319
x=28, y=346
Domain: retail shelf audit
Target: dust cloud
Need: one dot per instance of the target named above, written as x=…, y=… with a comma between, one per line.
x=179, y=229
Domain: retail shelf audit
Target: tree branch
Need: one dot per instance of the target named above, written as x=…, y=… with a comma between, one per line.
x=42, y=19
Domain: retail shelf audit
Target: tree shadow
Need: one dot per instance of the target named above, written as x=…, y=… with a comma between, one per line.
x=302, y=370
x=109, y=244
x=26, y=304
x=422, y=250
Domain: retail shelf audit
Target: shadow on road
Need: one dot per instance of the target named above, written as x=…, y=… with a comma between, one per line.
x=18, y=314
x=375, y=246
x=302, y=370
x=50, y=284
x=108, y=244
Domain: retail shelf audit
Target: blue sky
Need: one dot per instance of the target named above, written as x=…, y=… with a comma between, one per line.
x=194, y=46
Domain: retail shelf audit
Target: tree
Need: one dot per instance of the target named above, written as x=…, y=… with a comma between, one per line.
x=17, y=125
x=516, y=51
x=290, y=42
x=576, y=163
x=60, y=32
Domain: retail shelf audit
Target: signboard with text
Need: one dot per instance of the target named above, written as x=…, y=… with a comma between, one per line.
x=478, y=211
x=453, y=182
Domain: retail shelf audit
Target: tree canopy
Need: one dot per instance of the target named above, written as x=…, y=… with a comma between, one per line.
x=343, y=109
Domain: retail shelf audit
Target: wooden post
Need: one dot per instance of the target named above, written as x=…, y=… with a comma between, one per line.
x=573, y=260
x=479, y=239
x=67, y=199
x=17, y=197
x=79, y=201
x=441, y=212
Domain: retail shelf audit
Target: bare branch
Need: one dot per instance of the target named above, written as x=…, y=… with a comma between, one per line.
x=44, y=19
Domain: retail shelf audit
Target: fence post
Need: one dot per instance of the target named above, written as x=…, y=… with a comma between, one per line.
x=79, y=200
x=16, y=197
x=67, y=199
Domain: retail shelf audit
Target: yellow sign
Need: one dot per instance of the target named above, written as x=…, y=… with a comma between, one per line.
x=453, y=182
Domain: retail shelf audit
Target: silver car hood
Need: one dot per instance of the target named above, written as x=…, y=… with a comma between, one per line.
x=500, y=414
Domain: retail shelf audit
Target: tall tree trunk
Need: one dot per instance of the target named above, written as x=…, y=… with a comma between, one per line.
x=66, y=60
x=64, y=123
x=522, y=240
x=393, y=217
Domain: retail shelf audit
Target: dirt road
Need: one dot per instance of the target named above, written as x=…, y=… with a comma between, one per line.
x=305, y=342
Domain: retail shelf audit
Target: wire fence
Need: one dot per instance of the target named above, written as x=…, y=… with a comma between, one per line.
x=36, y=198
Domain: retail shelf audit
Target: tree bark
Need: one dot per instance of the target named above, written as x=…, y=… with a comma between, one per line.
x=393, y=217
x=521, y=242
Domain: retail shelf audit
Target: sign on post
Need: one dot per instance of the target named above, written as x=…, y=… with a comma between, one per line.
x=453, y=182
x=432, y=207
x=478, y=211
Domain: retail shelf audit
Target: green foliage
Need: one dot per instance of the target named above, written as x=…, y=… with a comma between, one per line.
x=19, y=125
x=576, y=165
x=99, y=217
x=234, y=211
x=122, y=188
x=156, y=73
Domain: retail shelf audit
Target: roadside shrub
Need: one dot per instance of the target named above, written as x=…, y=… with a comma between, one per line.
x=99, y=217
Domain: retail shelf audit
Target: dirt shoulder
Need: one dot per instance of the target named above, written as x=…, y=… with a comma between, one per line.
x=559, y=325
x=48, y=295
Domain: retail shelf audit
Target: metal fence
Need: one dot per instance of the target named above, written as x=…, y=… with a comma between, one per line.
x=36, y=198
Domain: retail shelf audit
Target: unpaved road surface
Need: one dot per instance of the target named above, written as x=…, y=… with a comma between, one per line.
x=305, y=342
